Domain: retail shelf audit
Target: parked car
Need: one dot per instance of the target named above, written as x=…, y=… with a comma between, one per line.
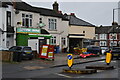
x=94, y=49
x=104, y=50
x=2, y=49
x=21, y=52
x=115, y=51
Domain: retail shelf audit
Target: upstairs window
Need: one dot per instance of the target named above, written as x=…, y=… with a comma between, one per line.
x=8, y=19
x=27, y=20
x=103, y=36
x=113, y=36
x=52, y=24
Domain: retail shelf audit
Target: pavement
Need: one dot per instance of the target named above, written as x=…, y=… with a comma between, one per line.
x=36, y=64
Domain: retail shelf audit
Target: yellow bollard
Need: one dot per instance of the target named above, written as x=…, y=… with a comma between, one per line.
x=70, y=60
x=108, y=58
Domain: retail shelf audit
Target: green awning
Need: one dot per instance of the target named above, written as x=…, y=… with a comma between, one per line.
x=40, y=35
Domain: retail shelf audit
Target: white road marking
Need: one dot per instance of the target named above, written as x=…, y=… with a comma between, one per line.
x=63, y=75
x=80, y=77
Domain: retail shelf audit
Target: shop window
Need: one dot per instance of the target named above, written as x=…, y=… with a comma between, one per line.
x=53, y=40
x=63, y=41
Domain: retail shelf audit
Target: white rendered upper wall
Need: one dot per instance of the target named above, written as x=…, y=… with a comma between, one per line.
x=119, y=13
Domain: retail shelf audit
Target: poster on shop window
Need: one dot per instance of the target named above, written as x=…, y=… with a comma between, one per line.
x=44, y=50
x=51, y=51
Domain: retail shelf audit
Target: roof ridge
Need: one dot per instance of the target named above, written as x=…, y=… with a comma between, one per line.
x=83, y=20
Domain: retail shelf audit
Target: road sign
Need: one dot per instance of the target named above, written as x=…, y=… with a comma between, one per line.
x=108, y=58
x=70, y=60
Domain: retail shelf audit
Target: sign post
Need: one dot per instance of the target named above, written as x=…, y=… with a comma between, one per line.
x=70, y=60
x=108, y=58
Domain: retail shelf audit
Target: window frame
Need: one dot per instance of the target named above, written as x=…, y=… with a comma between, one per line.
x=52, y=23
x=25, y=17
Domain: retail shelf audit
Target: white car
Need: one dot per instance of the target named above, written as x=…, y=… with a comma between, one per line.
x=1, y=48
x=104, y=49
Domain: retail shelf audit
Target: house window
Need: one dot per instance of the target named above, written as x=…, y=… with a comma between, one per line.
x=103, y=36
x=113, y=36
x=40, y=20
x=53, y=40
x=7, y=44
x=52, y=24
x=8, y=18
x=103, y=43
x=63, y=41
x=113, y=43
x=96, y=36
x=27, y=20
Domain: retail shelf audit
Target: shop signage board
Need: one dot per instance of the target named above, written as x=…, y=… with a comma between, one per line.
x=47, y=52
x=44, y=50
x=28, y=30
x=51, y=52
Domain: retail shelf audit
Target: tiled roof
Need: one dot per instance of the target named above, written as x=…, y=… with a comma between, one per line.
x=42, y=11
x=78, y=22
x=107, y=29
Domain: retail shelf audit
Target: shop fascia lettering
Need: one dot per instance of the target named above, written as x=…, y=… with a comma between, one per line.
x=28, y=30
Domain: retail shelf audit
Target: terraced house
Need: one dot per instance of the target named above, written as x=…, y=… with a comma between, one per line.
x=108, y=36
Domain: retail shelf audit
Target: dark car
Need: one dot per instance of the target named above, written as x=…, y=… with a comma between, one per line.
x=115, y=51
x=22, y=52
x=94, y=49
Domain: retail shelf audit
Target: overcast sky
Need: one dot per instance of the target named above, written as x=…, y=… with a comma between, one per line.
x=97, y=13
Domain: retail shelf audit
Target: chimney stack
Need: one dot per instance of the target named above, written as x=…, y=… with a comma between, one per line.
x=72, y=14
x=56, y=6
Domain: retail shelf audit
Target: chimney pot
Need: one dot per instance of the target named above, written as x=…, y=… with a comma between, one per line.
x=72, y=14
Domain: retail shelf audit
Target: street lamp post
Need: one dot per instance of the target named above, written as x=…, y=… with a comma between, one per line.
x=114, y=24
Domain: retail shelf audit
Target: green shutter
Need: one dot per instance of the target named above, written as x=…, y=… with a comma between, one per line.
x=22, y=40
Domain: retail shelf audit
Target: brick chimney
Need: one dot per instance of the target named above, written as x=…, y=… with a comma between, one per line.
x=72, y=14
x=55, y=6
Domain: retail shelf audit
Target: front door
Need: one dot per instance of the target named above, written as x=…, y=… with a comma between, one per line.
x=41, y=43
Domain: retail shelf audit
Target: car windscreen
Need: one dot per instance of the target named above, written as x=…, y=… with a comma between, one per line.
x=27, y=48
x=18, y=48
x=13, y=48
